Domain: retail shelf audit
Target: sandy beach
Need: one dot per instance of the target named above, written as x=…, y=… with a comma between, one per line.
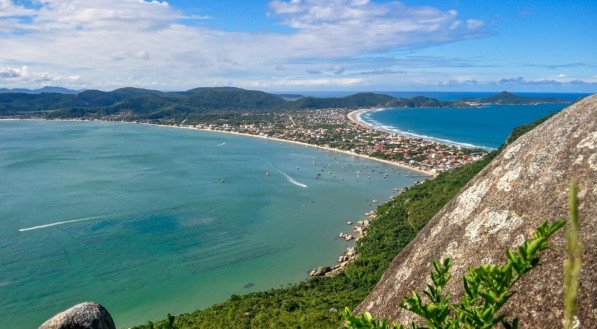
x=392, y=163
x=395, y=164
x=355, y=117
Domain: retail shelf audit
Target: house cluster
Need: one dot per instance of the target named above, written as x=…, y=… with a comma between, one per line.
x=331, y=128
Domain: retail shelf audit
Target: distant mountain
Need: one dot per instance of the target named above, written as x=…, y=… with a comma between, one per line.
x=507, y=98
x=352, y=101
x=420, y=101
x=145, y=104
x=290, y=97
x=46, y=89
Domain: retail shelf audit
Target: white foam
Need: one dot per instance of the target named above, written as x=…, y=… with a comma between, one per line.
x=365, y=117
x=291, y=180
x=59, y=223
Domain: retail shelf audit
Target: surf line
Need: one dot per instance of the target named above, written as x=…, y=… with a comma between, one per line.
x=290, y=179
x=59, y=223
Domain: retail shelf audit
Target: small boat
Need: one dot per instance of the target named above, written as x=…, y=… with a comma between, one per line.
x=267, y=173
x=249, y=285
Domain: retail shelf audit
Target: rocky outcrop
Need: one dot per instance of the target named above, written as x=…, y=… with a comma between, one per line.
x=320, y=271
x=86, y=315
x=501, y=207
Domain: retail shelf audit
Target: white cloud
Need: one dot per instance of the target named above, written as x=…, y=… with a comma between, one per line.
x=111, y=43
x=323, y=82
x=142, y=54
x=338, y=69
x=344, y=25
x=10, y=72
x=10, y=9
x=24, y=74
x=473, y=24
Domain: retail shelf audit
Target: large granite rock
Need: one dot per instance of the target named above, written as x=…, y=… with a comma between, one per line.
x=498, y=210
x=86, y=315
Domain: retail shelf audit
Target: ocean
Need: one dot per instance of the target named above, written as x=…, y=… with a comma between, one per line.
x=484, y=127
x=149, y=220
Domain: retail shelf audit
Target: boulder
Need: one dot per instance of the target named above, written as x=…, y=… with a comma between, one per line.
x=320, y=271
x=86, y=315
x=501, y=207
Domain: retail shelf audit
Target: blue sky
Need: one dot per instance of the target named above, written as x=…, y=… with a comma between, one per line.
x=301, y=45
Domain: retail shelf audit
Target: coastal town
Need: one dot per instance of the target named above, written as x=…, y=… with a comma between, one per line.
x=343, y=130
x=336, y=129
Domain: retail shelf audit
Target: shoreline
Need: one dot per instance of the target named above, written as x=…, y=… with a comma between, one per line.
x=355, y=117
x=329, y=149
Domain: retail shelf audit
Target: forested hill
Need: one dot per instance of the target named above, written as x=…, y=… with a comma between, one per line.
x=46, y=89
x=509, y=98
x=138, y=104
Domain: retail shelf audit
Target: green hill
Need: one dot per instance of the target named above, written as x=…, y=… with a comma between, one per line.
x=510, y=99
x=144, y=104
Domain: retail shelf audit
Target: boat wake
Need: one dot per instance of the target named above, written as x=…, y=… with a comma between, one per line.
x=290, y=179
x=59, y=223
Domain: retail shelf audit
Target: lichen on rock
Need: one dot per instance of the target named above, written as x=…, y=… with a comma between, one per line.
x=86, y=315
x=498, y=209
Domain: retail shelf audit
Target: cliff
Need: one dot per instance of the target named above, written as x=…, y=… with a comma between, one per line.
x=522, y=187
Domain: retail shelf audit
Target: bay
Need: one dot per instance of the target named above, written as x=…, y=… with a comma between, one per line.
x=149, y=220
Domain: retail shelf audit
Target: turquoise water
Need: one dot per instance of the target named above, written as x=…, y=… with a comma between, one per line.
x=149, y=220
x=486, y=127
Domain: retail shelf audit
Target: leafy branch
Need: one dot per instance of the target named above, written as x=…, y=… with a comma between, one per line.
x=486, y=289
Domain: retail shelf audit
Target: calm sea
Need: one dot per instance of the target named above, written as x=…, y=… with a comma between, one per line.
x=149, y=220
x=486, y=127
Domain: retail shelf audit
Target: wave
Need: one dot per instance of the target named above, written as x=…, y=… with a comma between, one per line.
x=366, y=118
x=59, y=223
x=290, y=179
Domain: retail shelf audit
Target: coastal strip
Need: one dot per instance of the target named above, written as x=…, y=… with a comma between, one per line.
x=189, y=127
x=330, y=149
x=356, y=118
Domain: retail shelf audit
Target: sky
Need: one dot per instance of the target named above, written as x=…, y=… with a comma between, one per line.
x=301, y=45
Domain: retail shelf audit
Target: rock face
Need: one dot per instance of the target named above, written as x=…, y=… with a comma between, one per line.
x=500, y=208
x=320, y=271
x=86, y=315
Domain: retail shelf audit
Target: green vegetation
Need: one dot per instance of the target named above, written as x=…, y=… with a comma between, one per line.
x=196, y=104
x=314, y=303
x=486, y=289
x=508, y=98
x=572, y=264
